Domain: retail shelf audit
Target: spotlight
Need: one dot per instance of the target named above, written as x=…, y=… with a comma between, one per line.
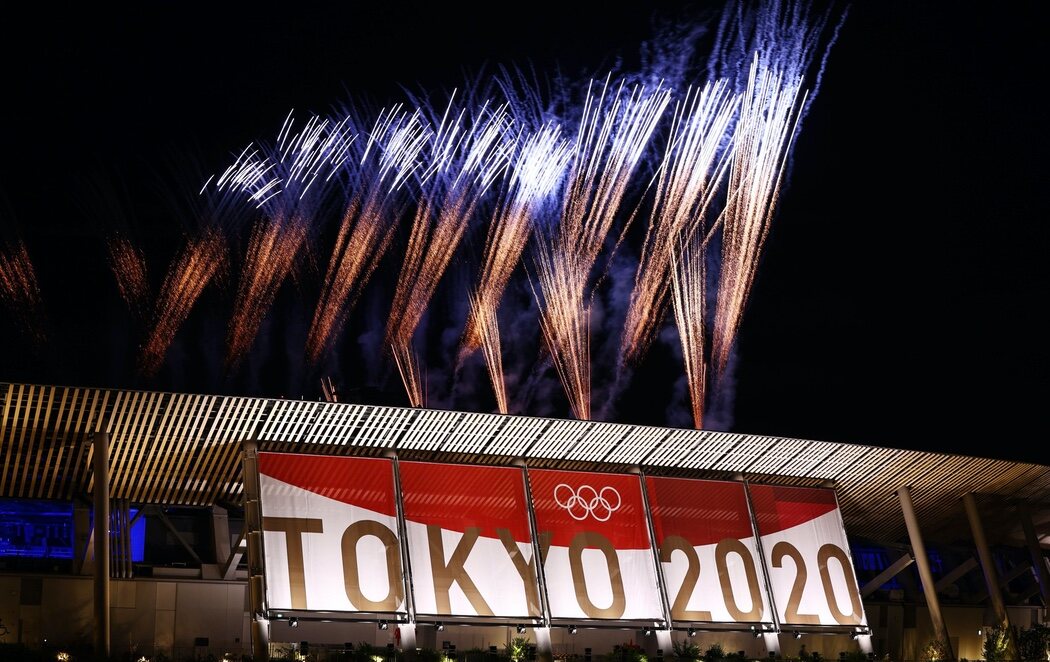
x=691, y=632
x=572, y=629
x=796, y=634
x=520, y=629
x=439, y=626
x=852, y=635
x=383, y=625
x=294, y=622
x=980, y=632
x=648, y=632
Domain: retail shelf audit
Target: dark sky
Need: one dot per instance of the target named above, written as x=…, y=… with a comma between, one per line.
x=899, y=299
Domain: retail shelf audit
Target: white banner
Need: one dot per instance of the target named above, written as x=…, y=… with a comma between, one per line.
x=468, y=539
x=807, y=556
x=599, y=561
x=330, y=533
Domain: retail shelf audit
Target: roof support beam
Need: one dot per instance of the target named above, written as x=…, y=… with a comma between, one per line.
x=886, y=575
x=957, y=572
x=918, y=550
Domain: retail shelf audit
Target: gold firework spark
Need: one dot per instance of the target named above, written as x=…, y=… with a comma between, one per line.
x=692, y=168
x=537, y=170
x=367, y=224
x=688, y=280
x=768, y=117
x=128, y=264
x=287, y=184
x=609, y=144
x=20, y=290
x=486, y=326
x=435, y=234
x=272, y=249
x=201, y=259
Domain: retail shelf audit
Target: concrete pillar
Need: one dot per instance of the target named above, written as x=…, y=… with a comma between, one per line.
x=544, y=649
x=772, y=642
x=1036, y=552
x=991, y=576
x=922, y=563
x=408, y=640
x=100, y=465
x=864, y=641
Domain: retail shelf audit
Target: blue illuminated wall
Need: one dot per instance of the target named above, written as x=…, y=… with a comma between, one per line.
x=40, y=529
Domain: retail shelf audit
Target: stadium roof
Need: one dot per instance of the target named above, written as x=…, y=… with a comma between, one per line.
x=183, y=449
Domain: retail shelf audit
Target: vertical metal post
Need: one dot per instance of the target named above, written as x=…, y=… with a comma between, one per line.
x=259, y=624
x=663, y=636
x=100, y=466
x=922, y=563
x=408, y=633
x=544, y=649
x=1036, y=552
x=991, y=579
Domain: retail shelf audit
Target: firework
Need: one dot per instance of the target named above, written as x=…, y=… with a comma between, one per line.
x=201, y=259
x=20, y=291
x=689, y=176
x=768, y=116
x=537, y=169
x=128, y=264
x=464, y=165
x=610, y=141
x=289, y=185
x=390, y=157
x=688, y=300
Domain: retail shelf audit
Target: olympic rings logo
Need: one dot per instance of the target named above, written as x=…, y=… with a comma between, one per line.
x=586, y=501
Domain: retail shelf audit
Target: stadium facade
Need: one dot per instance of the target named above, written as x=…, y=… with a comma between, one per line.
x=236, y=525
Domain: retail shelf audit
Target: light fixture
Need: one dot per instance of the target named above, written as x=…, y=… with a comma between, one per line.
x=439, y=626
x=293, y=621
x=691, y=632
x=796, y=634
x=980, y=632
x=572, y=629
x=648, y=632
x=520, y=628
x=383, y=625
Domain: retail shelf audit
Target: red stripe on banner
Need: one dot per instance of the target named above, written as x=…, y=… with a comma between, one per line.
x=778, y=508
x=456, y=497
x=701, y=511
x=570, y=502
x=366, y=482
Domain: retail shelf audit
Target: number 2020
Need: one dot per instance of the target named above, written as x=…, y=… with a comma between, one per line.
x=791, y=615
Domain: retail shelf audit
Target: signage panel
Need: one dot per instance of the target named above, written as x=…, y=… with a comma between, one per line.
x=330, y=533
x=469, y=542
x=594, y=540
x=708, y=552
x=806, y=555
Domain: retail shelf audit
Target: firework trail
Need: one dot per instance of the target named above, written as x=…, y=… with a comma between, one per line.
x=391, y=156
x=688, y=300
x=610, y=141
x=690, y=174
x=202, y=258
x=537, y=169
x=768, y=118
x=20, y=291
x=128, y=264
x=464, y=163
x=288, y=184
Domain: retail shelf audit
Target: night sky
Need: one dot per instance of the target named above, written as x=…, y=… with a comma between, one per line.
x=898, y=302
